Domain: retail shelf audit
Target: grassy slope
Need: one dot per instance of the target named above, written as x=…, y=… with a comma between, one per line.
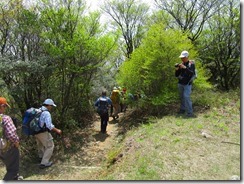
x=174, y=148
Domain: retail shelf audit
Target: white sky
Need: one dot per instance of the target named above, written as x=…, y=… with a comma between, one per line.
x=95, y=4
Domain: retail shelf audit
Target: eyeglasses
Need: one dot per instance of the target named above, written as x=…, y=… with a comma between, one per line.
x=4, y=105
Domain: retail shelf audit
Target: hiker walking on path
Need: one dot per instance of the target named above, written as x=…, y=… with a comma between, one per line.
x=103, y=104
x=184, y=71
x=10, y=155
x=115, y=97
x=44, y=139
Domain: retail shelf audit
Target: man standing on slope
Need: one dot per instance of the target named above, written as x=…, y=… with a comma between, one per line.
x=184, y=72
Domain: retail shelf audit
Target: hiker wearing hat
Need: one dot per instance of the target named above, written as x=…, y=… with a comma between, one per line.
x=10, y=154
x=184, y=71
x=44, y=140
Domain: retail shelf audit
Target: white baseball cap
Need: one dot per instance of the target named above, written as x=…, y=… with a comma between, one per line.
x=49, y=102
x=184, y=54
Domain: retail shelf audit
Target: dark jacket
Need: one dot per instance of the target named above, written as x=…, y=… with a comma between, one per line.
x=185, y=75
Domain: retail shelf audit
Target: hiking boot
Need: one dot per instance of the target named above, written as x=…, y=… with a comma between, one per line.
x=19, y=177
x=181, y=112
x=42, y=166
x=191, y=116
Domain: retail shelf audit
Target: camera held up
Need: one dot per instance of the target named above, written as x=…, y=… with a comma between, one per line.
x=177, y=65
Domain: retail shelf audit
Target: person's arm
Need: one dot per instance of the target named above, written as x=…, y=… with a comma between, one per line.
x=46, y=117
x=190, y=70
x=177, y=71
x=109, y=102
x=10, y=131
x=96, y=103
x=58, y=131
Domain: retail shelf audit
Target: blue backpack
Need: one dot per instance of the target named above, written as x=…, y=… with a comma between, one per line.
x=30, y=123
x=102, y=106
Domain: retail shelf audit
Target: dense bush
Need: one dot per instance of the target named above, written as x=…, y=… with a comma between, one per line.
x=151, y=68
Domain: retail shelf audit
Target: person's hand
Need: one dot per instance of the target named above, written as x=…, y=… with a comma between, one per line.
x=56, y=130
x=182, y=66
x=59, y=131
x=16, y=144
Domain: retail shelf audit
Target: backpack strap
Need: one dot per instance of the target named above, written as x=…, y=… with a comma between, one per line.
x=44, y=125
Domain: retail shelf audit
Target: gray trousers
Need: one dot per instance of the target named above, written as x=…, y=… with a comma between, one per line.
x=11, y=160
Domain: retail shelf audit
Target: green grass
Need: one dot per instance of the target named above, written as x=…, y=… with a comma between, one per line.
x=173, y=148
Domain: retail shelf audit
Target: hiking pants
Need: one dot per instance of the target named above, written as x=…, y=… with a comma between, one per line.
x=104, y=122
x=185, y=92
x=45, y=146
x=11, y=160
x=116, y=109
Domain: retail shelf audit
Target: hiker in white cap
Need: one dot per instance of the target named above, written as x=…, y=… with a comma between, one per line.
x=184, y=72
x=44, y=139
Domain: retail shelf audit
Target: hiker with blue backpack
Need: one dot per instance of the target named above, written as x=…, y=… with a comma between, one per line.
x=9, y=148
x=44, y=138
x=185, y=72
x=103, y=104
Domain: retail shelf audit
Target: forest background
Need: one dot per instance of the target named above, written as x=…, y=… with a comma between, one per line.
x=61, y=50
x=58, y=50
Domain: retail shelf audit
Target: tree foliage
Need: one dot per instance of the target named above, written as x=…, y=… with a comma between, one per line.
x=151, y=67
x=129, y=17
x=214, y=28
x=189, y=16
x=220, y=47
x=54, y=49
x=58, y=57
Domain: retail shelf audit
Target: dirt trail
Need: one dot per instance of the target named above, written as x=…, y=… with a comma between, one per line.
x=83, y=160
x=89, y=157
x=98, y=143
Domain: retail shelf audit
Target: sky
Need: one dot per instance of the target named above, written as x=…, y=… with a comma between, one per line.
x=95, y=4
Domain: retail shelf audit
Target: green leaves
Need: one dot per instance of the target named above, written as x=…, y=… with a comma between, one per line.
x=151, y=67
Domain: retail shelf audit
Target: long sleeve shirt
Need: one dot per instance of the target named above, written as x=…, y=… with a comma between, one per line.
x=10, y=129
x=184, y=75
x=46, y=118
